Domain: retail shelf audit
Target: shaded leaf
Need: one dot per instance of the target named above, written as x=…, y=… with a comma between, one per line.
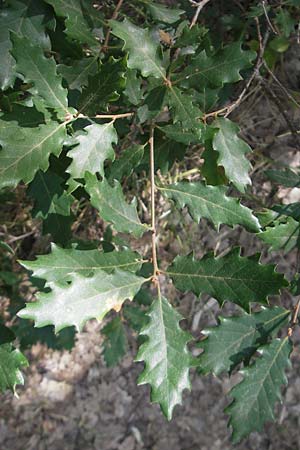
x=255, y=397
x=103, y=87
x=164, y=14
x=77, y=74
x=219, y=69
x=26, y=18
x=41, y=72
x=77, y=27
x=282, y=235
x=286, y=177
x=231, y=277
x=115, y=343
x=128, y=161
x=133, y=90
x=236, y=339
x=48, y=192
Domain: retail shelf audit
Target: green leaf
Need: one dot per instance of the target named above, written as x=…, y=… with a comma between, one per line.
x=167, y=359
x=62, y=262
x=82, y=299
x=236, y=339
x=94, y=146
x=211, y=203
x=77, y=27
x=255, y=397
x=27, y=19
x=292, y=210
x=103, y=87
x=26, y=150
x=286, y=177
x=213, y=173
x=11, y=361
x=48, y=192
x=115, y=344
x=128, y=161
x=112, y=206
x=178, y=134
x=184, y=111
x=6, y=247
x=232, y=150
x=143, y=51
x=77, y=74
x=133, y=90
x=219, y=69
x=164, y=14
x=282, y=235
x=231, y=277
x=41, y=72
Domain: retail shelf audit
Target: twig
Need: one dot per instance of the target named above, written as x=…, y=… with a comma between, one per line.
x=255, y=73
x=153, y=222
x=267, y=17
x=294, y=318
x=113, y=17
x=281, y=85
x=200, y=5
x=280, y=107
x=106, y=116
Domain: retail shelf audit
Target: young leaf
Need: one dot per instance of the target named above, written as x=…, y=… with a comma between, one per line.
x=167, y=359
x=143, y=51
x=115, y=343
x=94, y=147
x=282, y=235
x=41, y=71
x=231, y=277
x=236, y=339
x=82, y=299
x=11, y=361
x=26, y=150
x=255, y=397
x=112, y=206
x=76, y=25
x=215, y=71
x=103, y=87
x=232, y=150
x=128, y=161
x=61, y=262
x=211, y=203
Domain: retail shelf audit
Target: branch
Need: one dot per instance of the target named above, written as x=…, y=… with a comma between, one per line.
x=106, y=116
x=294, y=318
x=153, y=222
x=113, y=17
x=200, y=5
